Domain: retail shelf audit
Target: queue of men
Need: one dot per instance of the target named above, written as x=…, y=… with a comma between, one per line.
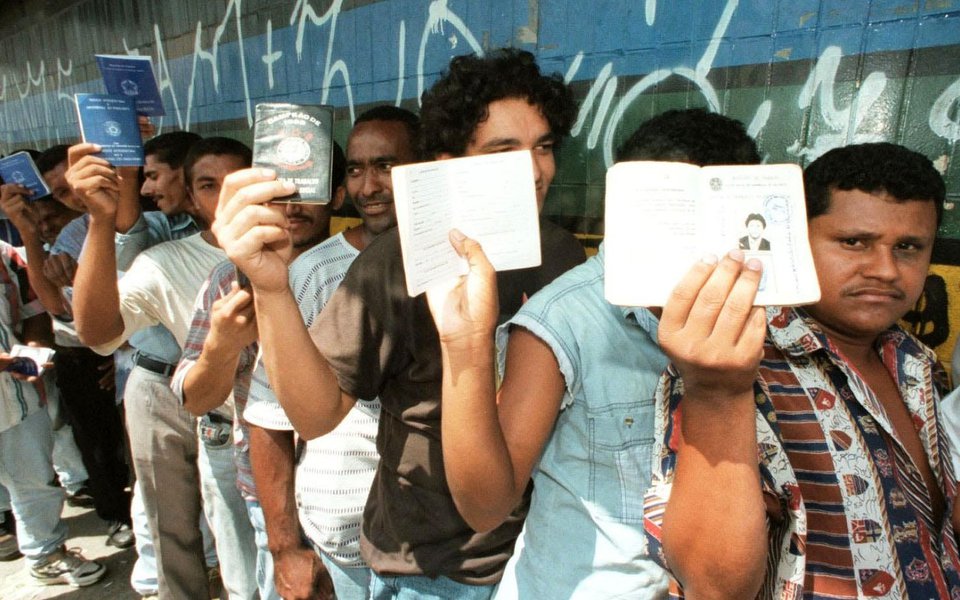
x=509, y=435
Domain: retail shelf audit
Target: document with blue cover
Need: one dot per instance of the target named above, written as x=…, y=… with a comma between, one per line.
x=132, y=76
x=111, y=122
x=19, y=168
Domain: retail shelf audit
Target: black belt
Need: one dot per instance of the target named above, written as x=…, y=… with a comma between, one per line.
x=154, y=366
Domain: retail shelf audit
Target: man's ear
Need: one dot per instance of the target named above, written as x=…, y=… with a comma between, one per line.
x=339, y=195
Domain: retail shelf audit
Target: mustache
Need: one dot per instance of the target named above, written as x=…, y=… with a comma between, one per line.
x=878, y=290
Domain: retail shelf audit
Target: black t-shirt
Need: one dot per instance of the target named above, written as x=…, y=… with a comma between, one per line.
x=382, y=343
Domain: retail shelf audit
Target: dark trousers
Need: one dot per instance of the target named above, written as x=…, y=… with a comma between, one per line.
x=97, y=429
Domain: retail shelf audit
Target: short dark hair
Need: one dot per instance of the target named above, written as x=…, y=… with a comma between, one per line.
x=339, y=170
x=171, y=148
x=691, y=135
x=51, y=157
x=878, y=167
x=755, y=217
x=457, y=103
x=217, y=146
x=387, y=112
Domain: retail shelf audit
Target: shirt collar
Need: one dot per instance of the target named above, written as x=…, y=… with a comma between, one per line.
x=180, y=222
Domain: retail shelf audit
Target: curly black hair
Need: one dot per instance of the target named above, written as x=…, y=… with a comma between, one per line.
x=457, y=103
x=879, y=167
x=691, y=135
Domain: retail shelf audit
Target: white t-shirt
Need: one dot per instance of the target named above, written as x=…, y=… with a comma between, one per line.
x=334, y=475
x=161, y=286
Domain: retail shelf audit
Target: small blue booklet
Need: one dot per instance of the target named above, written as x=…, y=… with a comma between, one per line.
x=19, y=168
x=111, y=121
x=132, y=76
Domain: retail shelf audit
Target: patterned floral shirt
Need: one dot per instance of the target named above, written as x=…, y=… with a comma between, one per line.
x=854, y=517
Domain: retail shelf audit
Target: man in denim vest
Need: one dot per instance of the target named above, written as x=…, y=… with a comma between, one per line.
x=575, y=410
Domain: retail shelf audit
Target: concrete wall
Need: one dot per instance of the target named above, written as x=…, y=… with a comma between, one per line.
x=805, y=75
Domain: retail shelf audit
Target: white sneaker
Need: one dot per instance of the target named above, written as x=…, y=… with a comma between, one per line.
x=69, y=567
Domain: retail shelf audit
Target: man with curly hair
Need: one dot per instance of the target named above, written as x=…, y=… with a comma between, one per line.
x=373, y=340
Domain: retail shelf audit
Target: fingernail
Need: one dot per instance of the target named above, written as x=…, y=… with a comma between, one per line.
x=288, y=186
x=736, y=255
x=754, y=265
x=709, y=259
x=97, y=147
x=457, y=235
x=267, y=173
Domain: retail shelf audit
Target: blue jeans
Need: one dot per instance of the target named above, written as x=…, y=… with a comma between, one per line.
x=26, y=470
x=226, y=512
x=268, y=589
x=67, y=461
x=412, y=587
x=350, y=583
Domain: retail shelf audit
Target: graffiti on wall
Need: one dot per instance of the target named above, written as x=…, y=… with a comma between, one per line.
x=804, y=75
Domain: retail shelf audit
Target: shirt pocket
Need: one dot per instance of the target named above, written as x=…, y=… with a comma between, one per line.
x=621, y=442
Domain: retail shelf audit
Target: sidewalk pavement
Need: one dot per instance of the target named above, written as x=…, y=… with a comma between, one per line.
x=88, y=533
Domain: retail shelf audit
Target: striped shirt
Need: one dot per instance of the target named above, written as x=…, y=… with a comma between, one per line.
x=18, y=399
x=216, y=287
x=854, y=515
x=334, y=475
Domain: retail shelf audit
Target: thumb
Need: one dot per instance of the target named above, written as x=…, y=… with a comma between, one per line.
x=470, y=249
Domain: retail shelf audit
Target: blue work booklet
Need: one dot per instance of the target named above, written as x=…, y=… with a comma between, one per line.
x=19, y=168
x=111, y=121
x=132, y=76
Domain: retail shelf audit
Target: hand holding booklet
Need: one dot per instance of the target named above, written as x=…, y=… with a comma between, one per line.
x=19, y=168
x=490, y=198
x=111, y=122
x=661, y=217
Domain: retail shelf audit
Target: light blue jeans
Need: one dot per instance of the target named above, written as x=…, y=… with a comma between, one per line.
x=66, y=456
x=26, y=470
x=350, y=583
x=226, y=512
x=411, y=587
x=268, y=588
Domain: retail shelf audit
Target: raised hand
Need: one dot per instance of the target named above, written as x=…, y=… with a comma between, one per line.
x=253, y=233
x=60, y=269
x=233, y=322
x=468, y=306
x=710, y=329
x=94, y=180
x=13, y=202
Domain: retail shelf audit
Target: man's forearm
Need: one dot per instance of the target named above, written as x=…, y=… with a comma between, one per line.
x=299, y=374
x=272, y=456
x=209, y=381
x=716, y=488
x=483, y=484
x=96, y=300
x=128, y=209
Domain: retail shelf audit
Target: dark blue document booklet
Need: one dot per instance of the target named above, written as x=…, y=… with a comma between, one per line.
x=132, y=76
x=19, y=168
x=111, y=121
